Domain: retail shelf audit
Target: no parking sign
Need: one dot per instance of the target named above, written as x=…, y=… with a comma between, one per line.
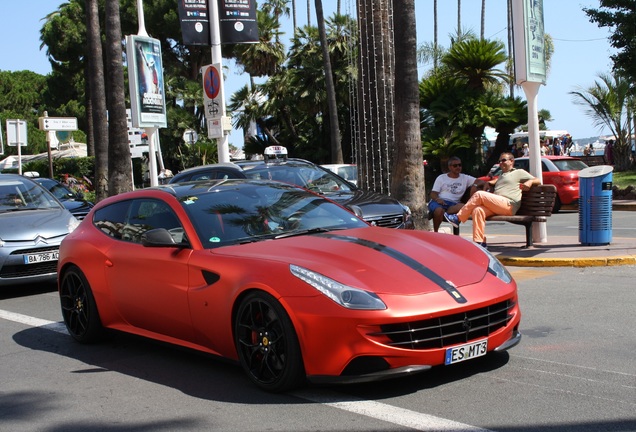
x=213, y=91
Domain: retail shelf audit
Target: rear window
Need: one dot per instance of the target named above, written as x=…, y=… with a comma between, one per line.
x=569, y=164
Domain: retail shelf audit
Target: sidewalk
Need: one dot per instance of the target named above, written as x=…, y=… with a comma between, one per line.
x=564, y=251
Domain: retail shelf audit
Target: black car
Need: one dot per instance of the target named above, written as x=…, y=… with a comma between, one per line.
x=72, y=201
x=375, y=208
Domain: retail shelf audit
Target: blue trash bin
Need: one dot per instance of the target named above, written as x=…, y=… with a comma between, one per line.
x=595, y=205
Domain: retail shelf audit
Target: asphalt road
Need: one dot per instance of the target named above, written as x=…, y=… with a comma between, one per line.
x=573, y=371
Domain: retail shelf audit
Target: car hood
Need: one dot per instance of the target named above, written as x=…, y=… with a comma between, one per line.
x=420, y=262
x=74, y=206
x=26, y=225
x=371, y=203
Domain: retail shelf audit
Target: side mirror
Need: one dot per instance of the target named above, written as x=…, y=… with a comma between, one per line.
x=356, y=211
x=160, y=237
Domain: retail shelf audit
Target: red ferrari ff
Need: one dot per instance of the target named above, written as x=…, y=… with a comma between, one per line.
x=288, y=283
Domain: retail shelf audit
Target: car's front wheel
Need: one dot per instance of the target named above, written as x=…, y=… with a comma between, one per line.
x=79, y=309
x=267, y=344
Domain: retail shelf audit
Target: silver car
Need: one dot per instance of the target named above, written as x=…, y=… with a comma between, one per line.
x=33, y=223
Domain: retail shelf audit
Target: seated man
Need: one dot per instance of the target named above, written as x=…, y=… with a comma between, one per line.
x=448, y=190
x=505, y=200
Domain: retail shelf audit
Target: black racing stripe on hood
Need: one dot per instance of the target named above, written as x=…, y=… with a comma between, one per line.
x=404, y=259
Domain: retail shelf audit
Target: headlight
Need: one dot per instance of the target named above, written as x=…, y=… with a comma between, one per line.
x=73, y=223
x=497, y=268
x=351, y=298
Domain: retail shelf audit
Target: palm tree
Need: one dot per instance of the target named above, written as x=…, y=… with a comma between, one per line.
x=407, y=180
x=607, y=104
x=475, y=60
x=97, y=99
x=119, y=161
x=334, y=128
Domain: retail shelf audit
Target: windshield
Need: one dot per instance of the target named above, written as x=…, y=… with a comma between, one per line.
x=307, y=176
x=60, y=191
x=253, y=212
x=18, y=195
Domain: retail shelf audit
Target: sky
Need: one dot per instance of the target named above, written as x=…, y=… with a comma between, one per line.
x=581, y=48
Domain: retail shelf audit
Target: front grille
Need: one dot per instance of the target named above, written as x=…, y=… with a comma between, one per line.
x=35, y=250
x=38, y=269
x=26, y=270
x=448, y=330
x=392, y=221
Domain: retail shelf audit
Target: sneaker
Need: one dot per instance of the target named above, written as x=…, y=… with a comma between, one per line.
x=452, y=219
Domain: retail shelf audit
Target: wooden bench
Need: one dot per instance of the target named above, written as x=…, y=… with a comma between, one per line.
x=536, y=206
x=593, y=160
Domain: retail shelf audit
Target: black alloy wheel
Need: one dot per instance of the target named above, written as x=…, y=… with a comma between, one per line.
x=267, y=344
x=79, y=310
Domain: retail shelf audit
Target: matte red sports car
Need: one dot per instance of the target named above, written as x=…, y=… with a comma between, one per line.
x=288, y=283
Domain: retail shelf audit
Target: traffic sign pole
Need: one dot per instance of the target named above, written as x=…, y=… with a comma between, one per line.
x=223, y=148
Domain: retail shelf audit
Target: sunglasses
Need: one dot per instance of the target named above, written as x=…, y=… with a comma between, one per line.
x=456, y=165
x=503, y=160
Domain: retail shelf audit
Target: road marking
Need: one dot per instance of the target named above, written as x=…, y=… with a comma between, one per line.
x=388, y=413
x=58, y=327
x=367, y=408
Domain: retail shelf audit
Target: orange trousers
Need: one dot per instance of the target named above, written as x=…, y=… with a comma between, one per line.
x=480, y=206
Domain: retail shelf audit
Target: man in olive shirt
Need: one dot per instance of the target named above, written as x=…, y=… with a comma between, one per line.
x=505, y=199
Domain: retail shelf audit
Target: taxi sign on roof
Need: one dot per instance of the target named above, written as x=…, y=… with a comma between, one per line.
x=275, y=150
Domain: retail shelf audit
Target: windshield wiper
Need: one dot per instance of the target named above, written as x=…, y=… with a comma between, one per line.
x=20, y=209
x=306, y=231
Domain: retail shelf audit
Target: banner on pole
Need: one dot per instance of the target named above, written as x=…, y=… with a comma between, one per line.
x=195, y=22
x=237, y=20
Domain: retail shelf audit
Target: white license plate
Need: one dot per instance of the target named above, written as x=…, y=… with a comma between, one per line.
x=466, y=352
x=41, y=257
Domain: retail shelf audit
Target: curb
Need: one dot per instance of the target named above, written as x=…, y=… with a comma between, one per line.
x=567, y=262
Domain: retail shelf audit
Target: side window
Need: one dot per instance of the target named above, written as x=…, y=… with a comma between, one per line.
x=544, y=167
x=110, y=220
x=147, y=214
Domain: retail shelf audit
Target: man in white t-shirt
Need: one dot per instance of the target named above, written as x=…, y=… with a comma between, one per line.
x=448, y=189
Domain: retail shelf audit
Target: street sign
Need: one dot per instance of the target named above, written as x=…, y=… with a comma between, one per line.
x=190, y=136
x=16, y=132
x=58, y=123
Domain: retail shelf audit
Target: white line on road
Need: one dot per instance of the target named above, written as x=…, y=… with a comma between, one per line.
x=33, y=322
x=368, y=408
x=387, y=413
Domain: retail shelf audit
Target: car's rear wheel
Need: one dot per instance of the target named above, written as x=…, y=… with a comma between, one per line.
x=267, y=344
x=557, y=205
x=79, y=309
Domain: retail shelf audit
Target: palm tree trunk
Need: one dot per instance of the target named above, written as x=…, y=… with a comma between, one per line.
x=375, y=108
x=119, y=166
x=435, y=59
x=459, y=17
x=293, y=4
x=97, y=97
x=483, y=19
x=407, y=180
x=334, y=128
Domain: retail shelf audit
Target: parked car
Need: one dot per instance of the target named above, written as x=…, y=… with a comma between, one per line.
x=32, y=226
x=73, y=201
x=285, y=282
x=560, y=171
x=348, y=172
x=377, y=209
